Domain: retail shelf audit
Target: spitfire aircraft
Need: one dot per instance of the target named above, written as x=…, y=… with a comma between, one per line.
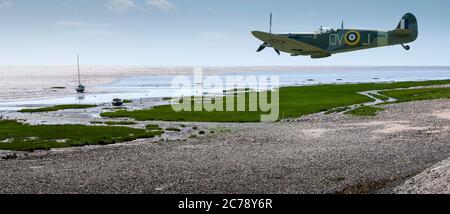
x=327, y=41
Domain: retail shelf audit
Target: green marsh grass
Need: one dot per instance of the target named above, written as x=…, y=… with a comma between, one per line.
x=418, y=94
x=57, y=108
x=365, y=111
x=21, y=137
x=294, y=102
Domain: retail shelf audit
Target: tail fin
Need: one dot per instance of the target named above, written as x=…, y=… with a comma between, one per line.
x=407, y=27
x=408, y=21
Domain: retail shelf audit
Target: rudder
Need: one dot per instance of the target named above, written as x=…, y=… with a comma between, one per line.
x=408, y=25
x=408, y=21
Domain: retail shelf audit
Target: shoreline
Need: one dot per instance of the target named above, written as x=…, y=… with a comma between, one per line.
x=25, y=82
x=316, y=154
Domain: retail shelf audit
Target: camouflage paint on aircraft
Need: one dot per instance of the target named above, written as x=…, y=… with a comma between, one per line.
x=325, y=42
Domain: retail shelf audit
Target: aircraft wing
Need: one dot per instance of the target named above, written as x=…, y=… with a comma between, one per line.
x=288, y=45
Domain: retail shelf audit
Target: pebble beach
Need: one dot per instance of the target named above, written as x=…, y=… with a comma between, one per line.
x=403, y=149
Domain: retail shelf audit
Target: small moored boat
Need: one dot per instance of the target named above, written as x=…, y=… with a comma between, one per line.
x=80, y=88
x=117, y=102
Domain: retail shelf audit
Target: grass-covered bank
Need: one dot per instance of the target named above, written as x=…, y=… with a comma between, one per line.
x=418, y=94
x=21, y=137
x=294, y=102
x=380, y=97
x=120, y=123
x=404, y=95
x=56, y=108
x=365, y=111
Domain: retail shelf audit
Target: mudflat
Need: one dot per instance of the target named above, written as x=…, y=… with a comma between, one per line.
x=317, y=153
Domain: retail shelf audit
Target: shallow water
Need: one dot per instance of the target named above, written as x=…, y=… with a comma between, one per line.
x=304, y=77
x=141, y=87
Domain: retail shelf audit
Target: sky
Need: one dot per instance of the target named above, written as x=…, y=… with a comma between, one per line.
x=207, y=32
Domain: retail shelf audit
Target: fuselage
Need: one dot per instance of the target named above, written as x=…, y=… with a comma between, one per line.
x=324, y=43
x=341, y=40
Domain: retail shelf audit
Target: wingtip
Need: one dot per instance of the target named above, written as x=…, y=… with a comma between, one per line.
x=254, y=33
x=259, y=34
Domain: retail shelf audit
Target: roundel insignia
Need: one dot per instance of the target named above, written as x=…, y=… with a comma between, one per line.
x=352, y=38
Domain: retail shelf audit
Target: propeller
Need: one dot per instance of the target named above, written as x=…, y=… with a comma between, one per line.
x=264, y=45
x=270, y=29
x=261, y=47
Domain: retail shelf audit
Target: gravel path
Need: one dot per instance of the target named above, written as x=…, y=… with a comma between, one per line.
x=316, y=154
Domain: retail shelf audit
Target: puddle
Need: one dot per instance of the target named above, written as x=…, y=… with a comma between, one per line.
x=444, y=114
x=398, y=127
x=315, y=133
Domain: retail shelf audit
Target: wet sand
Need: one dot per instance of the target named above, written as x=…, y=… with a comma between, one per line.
x=315, y=154
x=21, y=82
x=24, y=82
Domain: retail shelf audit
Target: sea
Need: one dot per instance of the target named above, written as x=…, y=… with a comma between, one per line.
x=161, y=86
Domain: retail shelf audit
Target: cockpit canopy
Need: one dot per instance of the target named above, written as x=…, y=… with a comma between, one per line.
x=324, y=30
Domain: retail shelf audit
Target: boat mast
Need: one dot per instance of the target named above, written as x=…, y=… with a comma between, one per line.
x=78, y=60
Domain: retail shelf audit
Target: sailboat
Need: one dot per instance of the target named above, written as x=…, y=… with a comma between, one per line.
x=80, y=88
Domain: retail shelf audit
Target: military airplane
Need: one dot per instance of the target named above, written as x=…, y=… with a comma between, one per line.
x=327, y=41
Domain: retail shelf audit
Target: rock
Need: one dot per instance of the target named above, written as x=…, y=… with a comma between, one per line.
x=434, y=180
x=9, y=156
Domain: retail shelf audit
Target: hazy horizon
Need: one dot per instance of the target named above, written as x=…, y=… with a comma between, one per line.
x=242, y=66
